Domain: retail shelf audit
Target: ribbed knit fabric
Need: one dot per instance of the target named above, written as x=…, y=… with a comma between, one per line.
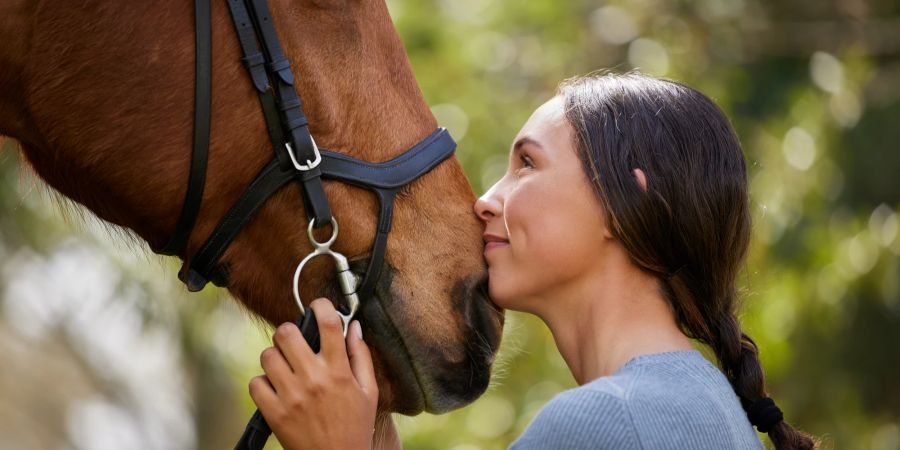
x=673, y=400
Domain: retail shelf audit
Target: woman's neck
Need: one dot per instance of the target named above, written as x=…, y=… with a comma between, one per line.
x=603, y=320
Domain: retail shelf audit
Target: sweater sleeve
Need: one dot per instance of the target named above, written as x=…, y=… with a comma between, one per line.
x=580, y=419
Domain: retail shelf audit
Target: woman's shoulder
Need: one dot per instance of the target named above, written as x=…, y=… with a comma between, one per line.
x=654, y=401
x=580, y=419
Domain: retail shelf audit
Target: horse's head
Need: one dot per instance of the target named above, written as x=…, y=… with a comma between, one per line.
x=109, y=123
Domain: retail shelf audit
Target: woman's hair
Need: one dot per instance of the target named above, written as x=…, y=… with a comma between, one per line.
x=691, y=227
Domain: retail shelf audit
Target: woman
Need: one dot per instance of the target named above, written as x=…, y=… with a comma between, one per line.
x=622, y=223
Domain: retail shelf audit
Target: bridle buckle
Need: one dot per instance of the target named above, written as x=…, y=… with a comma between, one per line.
x=309, y=164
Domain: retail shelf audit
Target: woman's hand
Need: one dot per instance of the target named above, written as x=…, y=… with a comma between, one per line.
x=318, y=401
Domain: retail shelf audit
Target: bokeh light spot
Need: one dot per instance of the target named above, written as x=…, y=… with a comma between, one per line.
x=613, y=25
x=649, y=56
x=453, y=117
x=826, y=72
x=799, y=148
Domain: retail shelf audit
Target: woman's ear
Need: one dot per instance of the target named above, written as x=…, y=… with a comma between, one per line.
x=641, y=178
x=606, y=233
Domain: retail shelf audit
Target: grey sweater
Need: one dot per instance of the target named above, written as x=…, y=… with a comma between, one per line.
x=673, y=400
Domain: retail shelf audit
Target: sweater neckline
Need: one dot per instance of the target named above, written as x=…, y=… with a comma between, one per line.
x=662, y=357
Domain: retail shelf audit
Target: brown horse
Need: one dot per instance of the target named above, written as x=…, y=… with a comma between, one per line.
x=100, y=96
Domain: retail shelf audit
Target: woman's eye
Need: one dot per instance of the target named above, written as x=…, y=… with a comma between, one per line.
x=526, y=161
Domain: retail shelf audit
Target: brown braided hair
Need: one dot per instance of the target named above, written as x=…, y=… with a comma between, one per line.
x=691, y=227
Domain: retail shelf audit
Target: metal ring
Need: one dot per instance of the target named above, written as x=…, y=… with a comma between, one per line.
x=297, y=278
x=319, y=248
x=312, y=239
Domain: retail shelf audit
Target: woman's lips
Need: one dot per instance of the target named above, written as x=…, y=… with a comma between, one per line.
x=492, y=241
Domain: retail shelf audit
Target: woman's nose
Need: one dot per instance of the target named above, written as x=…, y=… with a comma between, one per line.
x=489, y=205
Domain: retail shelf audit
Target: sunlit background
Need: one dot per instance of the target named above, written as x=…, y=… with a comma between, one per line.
x=102, y=348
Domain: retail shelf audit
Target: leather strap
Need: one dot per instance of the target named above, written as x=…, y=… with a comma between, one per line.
x=202, y=105
x=394, y=173
x=379, y=245
x=202, y=265
x=254, y=61
x=294, y=121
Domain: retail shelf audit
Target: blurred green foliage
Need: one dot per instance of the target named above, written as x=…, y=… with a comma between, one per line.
x=813, y=89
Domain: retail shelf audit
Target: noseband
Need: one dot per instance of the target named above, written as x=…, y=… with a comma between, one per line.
x=297, y=158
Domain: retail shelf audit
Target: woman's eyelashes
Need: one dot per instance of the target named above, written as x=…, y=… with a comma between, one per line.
x=525, y=162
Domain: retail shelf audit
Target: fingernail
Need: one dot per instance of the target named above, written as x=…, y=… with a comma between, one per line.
x=357, y=329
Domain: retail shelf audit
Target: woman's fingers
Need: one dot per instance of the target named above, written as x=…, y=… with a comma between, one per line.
x=263, y=394
x=361, y=361
x=330, y=398
x=293, y=346
x=276, y=367
x=331, y=331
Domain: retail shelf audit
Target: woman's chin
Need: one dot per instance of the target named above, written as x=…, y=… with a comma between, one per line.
x=500, y=294
x=511, y=296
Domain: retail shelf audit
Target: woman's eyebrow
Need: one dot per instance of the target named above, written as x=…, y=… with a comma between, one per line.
x=525, y=140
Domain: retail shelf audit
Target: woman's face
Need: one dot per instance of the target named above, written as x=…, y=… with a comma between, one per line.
x=544, y=227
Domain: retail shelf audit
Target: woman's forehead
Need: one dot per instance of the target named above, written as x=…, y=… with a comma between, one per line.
x=550, y=111
x=546, y=128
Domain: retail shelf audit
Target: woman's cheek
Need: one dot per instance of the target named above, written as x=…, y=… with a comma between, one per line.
x=529, y=250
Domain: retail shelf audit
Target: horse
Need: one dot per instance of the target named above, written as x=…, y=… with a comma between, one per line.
x=99, y=96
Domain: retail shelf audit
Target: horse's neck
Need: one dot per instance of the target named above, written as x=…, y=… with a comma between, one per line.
x=15, y=34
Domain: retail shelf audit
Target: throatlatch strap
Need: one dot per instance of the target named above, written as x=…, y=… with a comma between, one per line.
x=202, y=105
x=269, y=181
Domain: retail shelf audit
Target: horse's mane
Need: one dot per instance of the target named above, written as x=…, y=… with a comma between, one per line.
x=83, y=220
x=73, y=213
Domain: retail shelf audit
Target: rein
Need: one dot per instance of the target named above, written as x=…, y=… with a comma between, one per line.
x=297, y=158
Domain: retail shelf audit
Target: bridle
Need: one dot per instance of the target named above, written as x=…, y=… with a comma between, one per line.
x=297, y=158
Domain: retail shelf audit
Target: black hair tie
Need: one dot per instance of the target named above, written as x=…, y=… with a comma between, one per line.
x=764, y=414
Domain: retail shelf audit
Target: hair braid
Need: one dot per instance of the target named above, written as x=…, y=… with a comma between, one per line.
x=739, y=358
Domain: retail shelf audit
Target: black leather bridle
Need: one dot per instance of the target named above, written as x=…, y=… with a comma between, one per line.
x=297, y=158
